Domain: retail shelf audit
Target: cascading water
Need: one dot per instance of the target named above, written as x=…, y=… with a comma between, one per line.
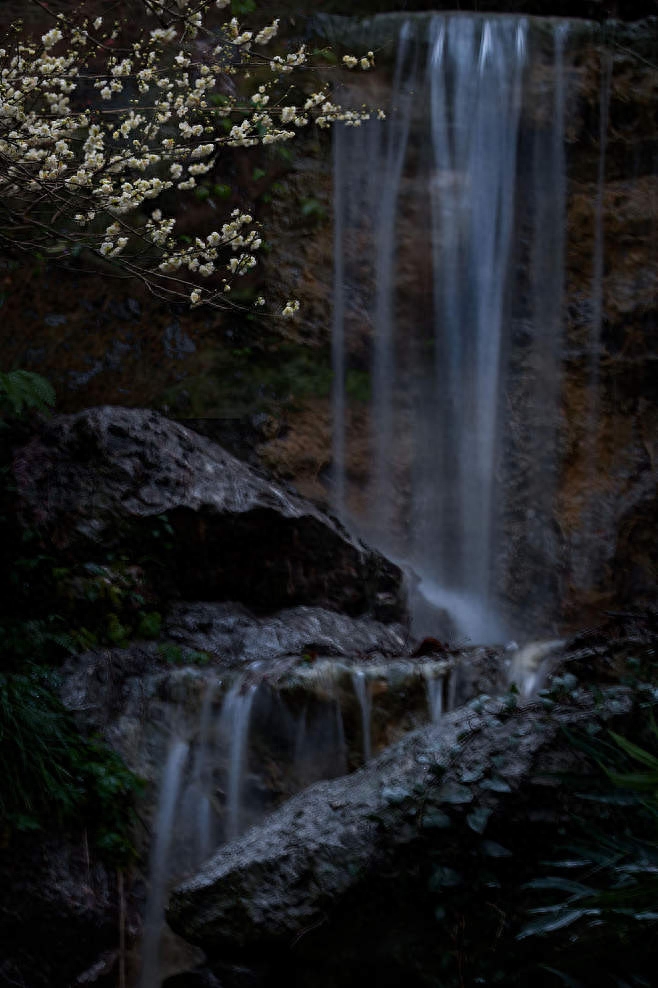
x=434, y=688
x=317, y=721
x=427, y=208
x=362, y=691
x=234, y=730
x=159, y=866
x=186, y=825
x=320, y=749
x=203, y=769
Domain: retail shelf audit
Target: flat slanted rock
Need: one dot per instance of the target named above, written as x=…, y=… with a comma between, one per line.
x=105, y=478
x=238, y=637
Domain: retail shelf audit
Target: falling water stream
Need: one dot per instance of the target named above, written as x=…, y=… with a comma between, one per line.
x=234, y=730
x=203, y=768
x=362, y=691
x=226, y=741
x=159, y=866
x=435, y=193
x=434, y=688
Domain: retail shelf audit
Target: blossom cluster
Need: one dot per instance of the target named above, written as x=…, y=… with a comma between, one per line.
x=94, y=130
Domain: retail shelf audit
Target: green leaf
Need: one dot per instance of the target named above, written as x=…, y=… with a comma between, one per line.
x=23, y=391
x=493, y=850
x=313, y=209
x=443, y=877
x=635, y=752
x=559, y=884
x=634, y=780
x=496, y=784
x=550, y=924
x=564, y=978
x=435, y=820
x=150, y=625
x=478, y=819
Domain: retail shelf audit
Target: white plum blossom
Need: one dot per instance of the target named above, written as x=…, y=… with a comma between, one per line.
x=267, y=33
x=52, y=37
x=84, y=173
x=290, y=309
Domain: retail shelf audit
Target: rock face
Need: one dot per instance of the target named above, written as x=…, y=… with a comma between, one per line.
x=236, y=637
x=104, y=479
x=307, y=719
x=597, y=9
x=345, y=870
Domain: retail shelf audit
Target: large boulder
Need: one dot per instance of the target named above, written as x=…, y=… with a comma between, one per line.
x=201, y=522
x=365, y=875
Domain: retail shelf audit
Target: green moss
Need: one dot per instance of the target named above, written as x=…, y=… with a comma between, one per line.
x=179, y=656
x=240, y=381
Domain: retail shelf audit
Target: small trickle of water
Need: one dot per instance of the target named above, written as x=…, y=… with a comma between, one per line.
x=299, y=753
x=158, y=866
x=202, y=773
x=341, y=743
x=234, y=730
x=434, y=689
x=362, y=692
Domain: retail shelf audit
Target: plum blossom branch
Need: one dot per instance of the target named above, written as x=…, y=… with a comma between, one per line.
x=97, y=136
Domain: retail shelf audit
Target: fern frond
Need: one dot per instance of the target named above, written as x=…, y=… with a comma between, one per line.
x=24, y=391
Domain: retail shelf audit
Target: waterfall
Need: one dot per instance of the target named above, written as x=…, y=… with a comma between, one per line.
x=474, y=130
x=362, y=692
x=203, y=772
x=320, y=748
x=159, y=865
x=234, y=730
x=426, y=239
x=434, y=690
x=341, y=742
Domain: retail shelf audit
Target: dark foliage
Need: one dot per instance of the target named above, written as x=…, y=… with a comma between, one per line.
x=51, y=775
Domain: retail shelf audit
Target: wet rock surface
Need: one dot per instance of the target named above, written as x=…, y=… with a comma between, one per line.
x=347, y=863
x=597, y=9
x=378, y=28
x=233, y=636
x=111, y=474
